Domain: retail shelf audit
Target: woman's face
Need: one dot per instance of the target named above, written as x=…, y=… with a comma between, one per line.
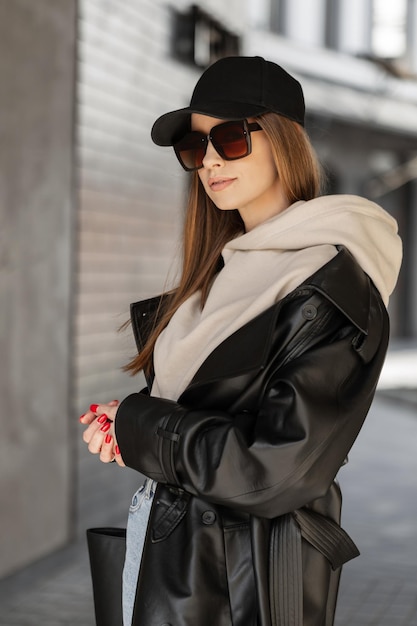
x=250, y=184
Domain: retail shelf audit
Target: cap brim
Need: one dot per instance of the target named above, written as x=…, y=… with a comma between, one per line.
x=171, y=126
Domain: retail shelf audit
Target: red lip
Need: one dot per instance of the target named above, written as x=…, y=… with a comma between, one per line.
x=219, y=182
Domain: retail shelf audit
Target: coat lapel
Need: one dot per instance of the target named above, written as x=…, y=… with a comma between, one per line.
x=245, y=350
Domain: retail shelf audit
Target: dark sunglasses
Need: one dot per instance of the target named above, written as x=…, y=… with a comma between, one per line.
x=231, y=140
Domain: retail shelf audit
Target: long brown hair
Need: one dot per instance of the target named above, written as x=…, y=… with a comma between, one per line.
x=207, y=229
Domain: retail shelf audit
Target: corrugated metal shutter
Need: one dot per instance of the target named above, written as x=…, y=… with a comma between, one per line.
x=130, y=198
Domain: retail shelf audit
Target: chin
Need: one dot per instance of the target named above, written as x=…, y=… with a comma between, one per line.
x=225, y=207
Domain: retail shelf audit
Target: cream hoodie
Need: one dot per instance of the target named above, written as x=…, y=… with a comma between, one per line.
x=264, y=265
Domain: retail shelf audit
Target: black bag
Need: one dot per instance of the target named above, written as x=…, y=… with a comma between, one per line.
x=107, y=548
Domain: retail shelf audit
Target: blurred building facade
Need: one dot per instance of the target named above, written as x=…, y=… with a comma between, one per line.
x=357, y=61
x=121, y=201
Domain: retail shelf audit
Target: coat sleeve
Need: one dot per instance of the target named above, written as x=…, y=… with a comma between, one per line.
x=283, y=455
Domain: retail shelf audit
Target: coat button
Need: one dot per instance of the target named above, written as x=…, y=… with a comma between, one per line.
x=309, y=311
x=208, y=517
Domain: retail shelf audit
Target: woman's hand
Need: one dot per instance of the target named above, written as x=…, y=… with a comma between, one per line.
x=100, y=435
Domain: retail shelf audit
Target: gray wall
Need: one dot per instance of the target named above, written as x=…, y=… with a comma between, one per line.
x=37, y=54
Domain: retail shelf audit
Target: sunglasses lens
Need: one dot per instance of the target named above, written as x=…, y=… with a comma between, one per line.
x=190, y=150
x=230, y=140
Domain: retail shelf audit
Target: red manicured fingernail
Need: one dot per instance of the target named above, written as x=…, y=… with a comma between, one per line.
x=105, y=427
x=108, y=438
x=102, y=419
x=82, y=417
x=117, y=450
x=93, y=408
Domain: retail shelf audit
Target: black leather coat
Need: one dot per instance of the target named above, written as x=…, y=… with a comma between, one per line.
x=244, y=528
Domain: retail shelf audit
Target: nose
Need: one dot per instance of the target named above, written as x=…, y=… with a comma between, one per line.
x=212, y=157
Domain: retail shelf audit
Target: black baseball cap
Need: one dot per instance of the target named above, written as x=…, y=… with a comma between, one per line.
x=235, y=88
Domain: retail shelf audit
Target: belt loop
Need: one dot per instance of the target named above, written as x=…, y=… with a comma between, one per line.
x=150, y=486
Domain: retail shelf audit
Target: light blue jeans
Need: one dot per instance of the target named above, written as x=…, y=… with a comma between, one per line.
x=137, y=523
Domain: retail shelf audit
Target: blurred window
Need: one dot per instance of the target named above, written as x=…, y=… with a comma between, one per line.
x=259, y=13
x=389, y=28
x=331, y=31
x=278, y=16
x=199, y=39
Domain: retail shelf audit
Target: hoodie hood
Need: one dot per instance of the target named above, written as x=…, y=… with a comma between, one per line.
x=363, y=227
x=263, y=266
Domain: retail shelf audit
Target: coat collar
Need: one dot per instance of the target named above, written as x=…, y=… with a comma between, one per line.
x=341, y=281
x=345, y=284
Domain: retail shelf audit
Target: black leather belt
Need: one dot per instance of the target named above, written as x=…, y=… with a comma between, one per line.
x=286, y=573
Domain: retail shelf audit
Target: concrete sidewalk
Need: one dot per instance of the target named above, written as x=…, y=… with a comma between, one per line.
x=380, y=513
x=54, y=592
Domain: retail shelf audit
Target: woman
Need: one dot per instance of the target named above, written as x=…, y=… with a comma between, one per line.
x=261, y=367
